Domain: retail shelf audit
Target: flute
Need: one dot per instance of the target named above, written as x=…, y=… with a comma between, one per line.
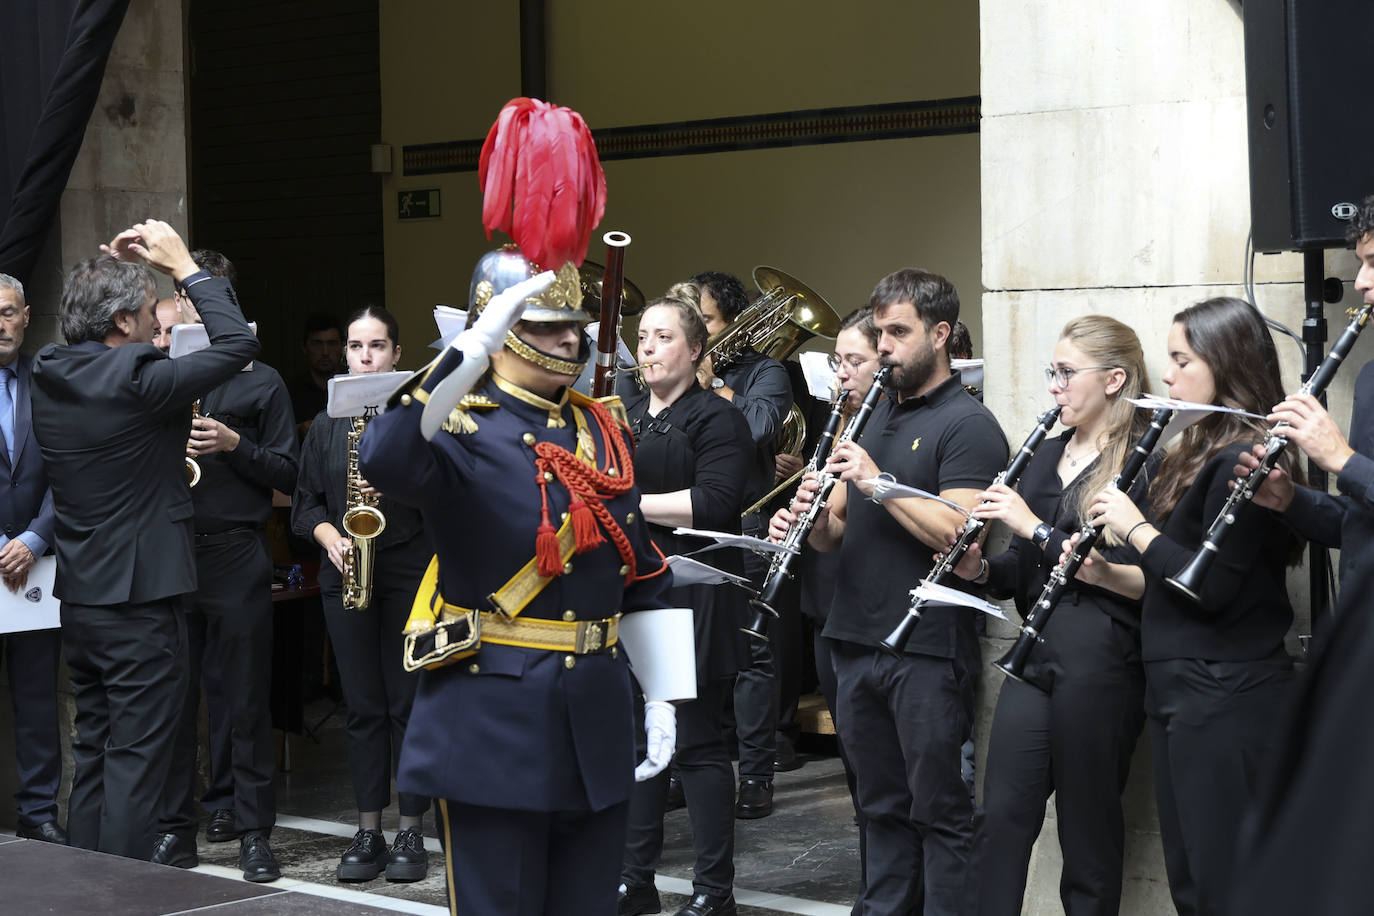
x=1188, y=581
x=895, y=642
x=779, y=566
x=1014, y=662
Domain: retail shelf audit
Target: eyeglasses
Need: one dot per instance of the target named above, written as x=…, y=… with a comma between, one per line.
x=853, y=361
x=1061, y=375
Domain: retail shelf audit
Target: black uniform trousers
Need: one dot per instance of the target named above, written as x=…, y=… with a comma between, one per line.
x=500, y=862
x=377, y=690
x=1075, y=741
x=1213, y=726
x=32, y=658
x=708, y=786
x=903, y=722
x=127, y=664
x=756, y=687
x=825, y=678
x=229, y=639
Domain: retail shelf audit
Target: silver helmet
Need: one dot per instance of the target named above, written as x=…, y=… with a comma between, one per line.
x=503, y=268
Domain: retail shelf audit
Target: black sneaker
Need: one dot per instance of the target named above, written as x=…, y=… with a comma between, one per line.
x=365, y=857
x=408, y=861
x=256, y=859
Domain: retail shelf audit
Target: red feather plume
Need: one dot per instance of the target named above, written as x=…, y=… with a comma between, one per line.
x=542, y=182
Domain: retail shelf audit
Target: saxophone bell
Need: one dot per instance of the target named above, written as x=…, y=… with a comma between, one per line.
x=362, y=522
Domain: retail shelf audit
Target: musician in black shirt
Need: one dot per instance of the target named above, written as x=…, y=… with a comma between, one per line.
x=367, y=642
x=1217, y=675
x=1071, y=729
x=244, y=442
x=903, y=720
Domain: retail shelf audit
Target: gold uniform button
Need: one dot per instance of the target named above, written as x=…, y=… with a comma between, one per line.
x=548, y=476
x=474, y=668
x=629, y=518
x=625, y=570
x=567, y=568
x=405, y=400
x=569, y=662
x=613, y=651
x=528, y=438
x=570, y=616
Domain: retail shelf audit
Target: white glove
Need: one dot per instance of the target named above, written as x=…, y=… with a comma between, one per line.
x=486, y=336
x=660, y=726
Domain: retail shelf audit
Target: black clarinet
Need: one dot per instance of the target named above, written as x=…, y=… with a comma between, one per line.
x=973, y=529
x=1014, y=662
x=779, y=566
x=1189, y=580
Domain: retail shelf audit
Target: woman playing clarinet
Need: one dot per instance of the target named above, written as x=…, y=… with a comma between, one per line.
x=1071, y=727
x=1216, y=670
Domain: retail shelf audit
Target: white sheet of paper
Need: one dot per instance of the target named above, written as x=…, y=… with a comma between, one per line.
x=725, y=539
x=188, y=338
x=33, y=607
x=687, y=571
x=935, y=593
x=887, y=488
x=820, y=378
x=450, y=321
x=366, y=392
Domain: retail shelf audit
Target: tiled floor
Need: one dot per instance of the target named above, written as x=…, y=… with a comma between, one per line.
x=802, y=860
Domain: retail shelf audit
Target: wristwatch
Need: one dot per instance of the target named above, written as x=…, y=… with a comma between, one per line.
x=1040, y=537
x=717, y=382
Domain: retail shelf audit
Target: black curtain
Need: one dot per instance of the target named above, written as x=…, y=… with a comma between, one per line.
x=50, y=73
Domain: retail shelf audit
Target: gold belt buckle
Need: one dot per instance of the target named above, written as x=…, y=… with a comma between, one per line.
x=591, y=637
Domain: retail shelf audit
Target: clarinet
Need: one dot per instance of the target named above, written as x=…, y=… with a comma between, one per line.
x=1014, y=662
x=973, y=528
x=779, y=566
x=1189, y=580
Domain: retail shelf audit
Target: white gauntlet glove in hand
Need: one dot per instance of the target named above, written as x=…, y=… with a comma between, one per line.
x=486, y=336
x=660, y=725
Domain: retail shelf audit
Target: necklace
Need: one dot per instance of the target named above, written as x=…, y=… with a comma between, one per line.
x=1074, y=462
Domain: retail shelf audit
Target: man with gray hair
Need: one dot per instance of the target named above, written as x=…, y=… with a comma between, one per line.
x=26, y=524
x=111, y=414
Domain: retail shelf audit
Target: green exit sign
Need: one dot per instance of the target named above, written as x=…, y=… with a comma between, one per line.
x=418, y=203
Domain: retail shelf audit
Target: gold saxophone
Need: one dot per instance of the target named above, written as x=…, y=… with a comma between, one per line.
x=192, y=466
x=362, y=521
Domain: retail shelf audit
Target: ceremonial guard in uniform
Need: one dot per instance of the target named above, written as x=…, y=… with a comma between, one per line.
x=523, y=725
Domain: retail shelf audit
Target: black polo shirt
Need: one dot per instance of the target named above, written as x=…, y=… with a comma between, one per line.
x=943, y=440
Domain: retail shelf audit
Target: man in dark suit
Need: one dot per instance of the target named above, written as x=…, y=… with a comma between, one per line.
x=26, y=519
x=111, y=414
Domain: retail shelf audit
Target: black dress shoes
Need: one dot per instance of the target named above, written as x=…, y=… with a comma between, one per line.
x=365, y=857
x=48, y=832
x=638, y=899
x=221, y=828
x=706, y=905
x=256, y=859
x=755, y=797
x=175, y=851
x=408, y=860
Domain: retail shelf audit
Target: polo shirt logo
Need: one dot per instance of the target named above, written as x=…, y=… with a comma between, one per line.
x=915, y=443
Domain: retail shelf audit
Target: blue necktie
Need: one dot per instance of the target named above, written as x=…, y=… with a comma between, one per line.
x=7, y=410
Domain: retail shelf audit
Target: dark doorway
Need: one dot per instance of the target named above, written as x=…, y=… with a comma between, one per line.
x=284, y=103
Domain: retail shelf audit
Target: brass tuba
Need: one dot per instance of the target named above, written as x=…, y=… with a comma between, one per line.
x=362, y=522
x=787, y=315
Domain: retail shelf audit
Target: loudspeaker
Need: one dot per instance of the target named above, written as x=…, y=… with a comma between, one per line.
x=1311, y=124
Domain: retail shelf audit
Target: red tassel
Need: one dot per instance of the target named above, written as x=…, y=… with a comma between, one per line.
x=546, y=549
x=585, y=529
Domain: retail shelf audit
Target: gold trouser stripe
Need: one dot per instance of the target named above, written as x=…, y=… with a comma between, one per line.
x=550, y=635
x=448, y=858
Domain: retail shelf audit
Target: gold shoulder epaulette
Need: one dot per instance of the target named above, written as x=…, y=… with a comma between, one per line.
x=460, y=421
x=611, y=402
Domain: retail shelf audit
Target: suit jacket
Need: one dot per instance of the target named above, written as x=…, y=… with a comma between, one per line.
x=26, y=504
x=112, y=423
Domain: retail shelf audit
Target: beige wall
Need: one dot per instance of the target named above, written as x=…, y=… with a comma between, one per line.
x=838, y=217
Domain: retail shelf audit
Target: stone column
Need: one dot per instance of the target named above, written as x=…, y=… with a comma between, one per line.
x=1115, y=180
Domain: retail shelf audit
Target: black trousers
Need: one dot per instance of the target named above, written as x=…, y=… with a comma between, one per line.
x=500, y=862
x=1212, y=726
x=756, y=689
x=708, y=785
x=377, y=690
x=825, y=677
x=903, y=722
x=1075, y=741
x=32, y=659
x=229, y=638
x=127, y=664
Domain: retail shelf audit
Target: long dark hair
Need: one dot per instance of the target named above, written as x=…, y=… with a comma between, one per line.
x=1230, y=336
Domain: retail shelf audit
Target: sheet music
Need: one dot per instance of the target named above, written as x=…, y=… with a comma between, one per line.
x=725, y=539
x=363, y=393
x=688, y=571
x=934, y=593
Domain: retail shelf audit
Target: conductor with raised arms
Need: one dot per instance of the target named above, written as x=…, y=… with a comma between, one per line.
x=111, y=413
